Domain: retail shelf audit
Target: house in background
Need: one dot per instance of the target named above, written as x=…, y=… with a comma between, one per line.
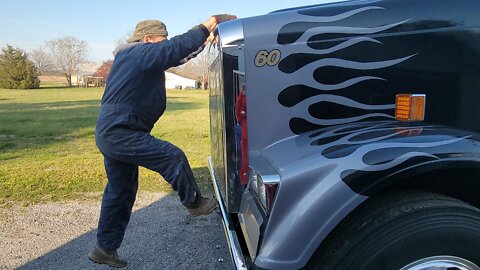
x=86, y=76
x=173, y=81
x=90, y=76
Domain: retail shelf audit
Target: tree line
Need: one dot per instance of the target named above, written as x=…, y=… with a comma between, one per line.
x=19, y=70
x=64, y=56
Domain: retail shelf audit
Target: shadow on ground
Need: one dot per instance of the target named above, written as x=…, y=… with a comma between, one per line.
x=159, y=236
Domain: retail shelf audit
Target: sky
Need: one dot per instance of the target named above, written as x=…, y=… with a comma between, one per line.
x=29, y=24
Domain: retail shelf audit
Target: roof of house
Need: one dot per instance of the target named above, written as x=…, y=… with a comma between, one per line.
x=88, y=68
x=172, y=76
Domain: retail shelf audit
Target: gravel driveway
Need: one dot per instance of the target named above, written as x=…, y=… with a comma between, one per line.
x=161, y=235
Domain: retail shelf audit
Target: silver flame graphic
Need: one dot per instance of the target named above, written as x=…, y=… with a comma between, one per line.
x=345, y=44
x=344, y=15
x=335, y=62
x=347, y=30
x=355, y=160
x=300, y=110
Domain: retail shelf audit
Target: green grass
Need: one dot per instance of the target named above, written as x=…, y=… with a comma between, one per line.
x=48, y=152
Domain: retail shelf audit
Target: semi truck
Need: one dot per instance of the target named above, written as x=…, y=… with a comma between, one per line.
x=346, y=136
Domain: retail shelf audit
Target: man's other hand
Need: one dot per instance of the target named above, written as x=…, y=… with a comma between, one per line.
x=224, y=17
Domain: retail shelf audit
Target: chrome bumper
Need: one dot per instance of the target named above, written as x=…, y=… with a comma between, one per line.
x=232, y=239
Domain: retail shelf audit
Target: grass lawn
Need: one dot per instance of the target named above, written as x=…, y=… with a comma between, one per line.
x=47, y=146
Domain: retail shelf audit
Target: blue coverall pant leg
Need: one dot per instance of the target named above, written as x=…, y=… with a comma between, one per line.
x=170, y=162
x=122, y=158
x=117, y=203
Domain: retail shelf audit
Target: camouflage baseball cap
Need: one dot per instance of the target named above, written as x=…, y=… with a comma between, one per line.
x=148, y=27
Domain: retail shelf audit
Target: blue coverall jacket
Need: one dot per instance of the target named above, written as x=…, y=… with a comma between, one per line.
x=133, y=101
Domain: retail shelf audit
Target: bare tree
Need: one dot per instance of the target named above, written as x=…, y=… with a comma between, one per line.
x=197, y=68
x=68, y=54
x=123, y=39
x=42, y=60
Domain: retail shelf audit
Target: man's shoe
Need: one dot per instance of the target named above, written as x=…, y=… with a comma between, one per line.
x=203, y=206
x=111, y=258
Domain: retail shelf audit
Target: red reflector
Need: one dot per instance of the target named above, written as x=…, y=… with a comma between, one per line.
x=270, y=192
x=241, y=115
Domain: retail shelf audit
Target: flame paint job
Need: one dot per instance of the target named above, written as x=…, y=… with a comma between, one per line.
x=322, y=119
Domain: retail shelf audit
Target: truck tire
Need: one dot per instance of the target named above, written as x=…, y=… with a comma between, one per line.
x=407, y=231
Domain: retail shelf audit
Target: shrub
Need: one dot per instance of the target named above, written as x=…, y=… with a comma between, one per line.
x=16, y=70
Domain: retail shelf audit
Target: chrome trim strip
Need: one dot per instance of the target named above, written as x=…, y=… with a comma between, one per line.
x=263, y=168
x=251, y=220
x=233, y=244
x=231, y=33
x=270, y=179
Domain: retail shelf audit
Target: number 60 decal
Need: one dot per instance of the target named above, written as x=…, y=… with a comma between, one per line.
x=265, y=57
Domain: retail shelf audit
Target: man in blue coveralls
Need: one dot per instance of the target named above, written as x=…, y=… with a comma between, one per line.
x=133, y=101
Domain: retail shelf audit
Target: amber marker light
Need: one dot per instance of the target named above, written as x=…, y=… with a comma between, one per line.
x=410, y=107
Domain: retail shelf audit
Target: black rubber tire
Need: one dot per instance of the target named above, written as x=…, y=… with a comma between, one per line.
x=394, y=230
